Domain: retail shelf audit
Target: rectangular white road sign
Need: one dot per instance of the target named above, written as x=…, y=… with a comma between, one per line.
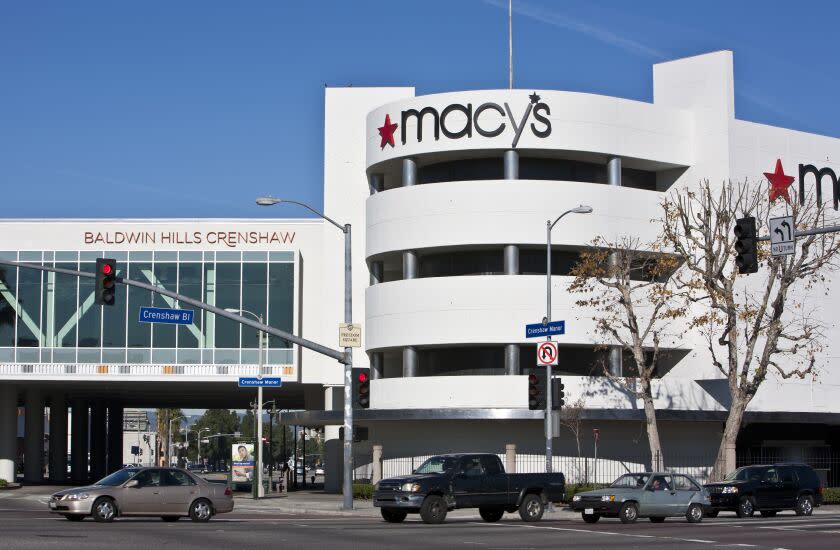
x=782, y=236
x=349, y=335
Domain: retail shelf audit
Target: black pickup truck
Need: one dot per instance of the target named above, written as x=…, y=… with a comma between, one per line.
x=451, y=481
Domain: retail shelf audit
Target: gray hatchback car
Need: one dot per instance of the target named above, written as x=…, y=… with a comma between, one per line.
x=655, y=495
x=170, y=493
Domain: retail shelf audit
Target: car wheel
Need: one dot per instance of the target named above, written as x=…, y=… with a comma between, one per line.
x=712, y=513
x=694, y=514
x=531, y=508
x=433, y=509
x=170, y=518
x=805, y=505
x=657, y=519
x=201, y=511
x=104, y=510
x=491, y=515
x=74, y=517
x=393, y=515
x=591, y=518
x=746, y=508
x=767, y=513
x=629, y=512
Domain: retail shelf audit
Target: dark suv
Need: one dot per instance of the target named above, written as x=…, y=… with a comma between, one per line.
x=768, y=489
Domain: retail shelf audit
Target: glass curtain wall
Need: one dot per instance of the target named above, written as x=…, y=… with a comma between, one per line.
x=52, y=317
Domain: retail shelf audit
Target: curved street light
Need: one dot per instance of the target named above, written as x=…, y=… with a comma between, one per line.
x=347, y=481
x=549, y=225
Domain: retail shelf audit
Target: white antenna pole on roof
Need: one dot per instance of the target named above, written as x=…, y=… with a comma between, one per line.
x=510, y=44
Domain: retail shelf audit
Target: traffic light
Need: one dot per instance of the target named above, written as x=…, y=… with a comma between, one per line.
x=557, y=394
x=536, y=388
x=106, y=275
x=746, y=245
x=361, y=388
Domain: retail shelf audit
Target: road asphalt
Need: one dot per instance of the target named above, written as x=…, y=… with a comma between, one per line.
x=313, y=520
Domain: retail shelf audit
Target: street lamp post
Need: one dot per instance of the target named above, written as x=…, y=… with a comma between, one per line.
x=198, y=446
x=347, y=481
x=260, y=492
x=549, y=428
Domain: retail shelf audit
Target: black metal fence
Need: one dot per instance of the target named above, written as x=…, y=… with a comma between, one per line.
x=604, y=470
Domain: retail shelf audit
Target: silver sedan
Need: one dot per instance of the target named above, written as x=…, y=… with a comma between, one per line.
x=170, y=493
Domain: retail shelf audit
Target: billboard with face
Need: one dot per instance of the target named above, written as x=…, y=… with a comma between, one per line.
x=242, y=457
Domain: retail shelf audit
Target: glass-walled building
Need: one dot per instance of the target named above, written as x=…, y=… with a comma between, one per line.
x=48, y=317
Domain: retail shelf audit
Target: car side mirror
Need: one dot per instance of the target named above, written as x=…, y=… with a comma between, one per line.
x=133, y=484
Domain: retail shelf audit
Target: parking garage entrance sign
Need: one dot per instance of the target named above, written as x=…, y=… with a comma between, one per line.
x=166, y=316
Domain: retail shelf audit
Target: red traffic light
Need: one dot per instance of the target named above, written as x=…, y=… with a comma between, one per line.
x=532, y=379
x=363, y=377
x=107, y=269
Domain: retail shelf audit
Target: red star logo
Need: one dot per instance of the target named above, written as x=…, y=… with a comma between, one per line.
x=387, y=132
x=779, y=182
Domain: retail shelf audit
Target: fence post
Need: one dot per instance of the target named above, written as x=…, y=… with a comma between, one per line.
x=376, y=477
x=510, y=458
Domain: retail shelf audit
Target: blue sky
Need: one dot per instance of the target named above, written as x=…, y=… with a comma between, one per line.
x=193, y=108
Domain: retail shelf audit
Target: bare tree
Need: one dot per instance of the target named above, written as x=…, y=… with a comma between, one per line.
x=571, y=418
x=753, y=325
x=631, y=289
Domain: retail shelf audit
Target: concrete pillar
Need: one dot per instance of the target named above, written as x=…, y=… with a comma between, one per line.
x=376, y=476
x=376, y=273
x=58, y=437
x=511, y=266
x=411, y=265
x=616, y=365
x=511, y=165
x=377, y=368
x=33, y=444
x=98, y=440
x=333, y=445
x=377, y=183
x=409, y=172
x=410, y=362
x=614, y=171
x=614, y=178
x=510, y=458
x=8, y=432
x=115, y=437
x=79, y=441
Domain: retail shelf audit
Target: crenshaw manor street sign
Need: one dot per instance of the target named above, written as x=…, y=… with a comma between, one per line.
x=478, y=120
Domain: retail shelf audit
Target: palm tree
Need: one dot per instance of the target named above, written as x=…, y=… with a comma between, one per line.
x=163, y=417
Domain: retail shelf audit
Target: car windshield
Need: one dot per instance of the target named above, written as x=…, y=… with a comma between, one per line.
x=436, y=465
x=631, y=481
x=745, y=474
x=117, y=478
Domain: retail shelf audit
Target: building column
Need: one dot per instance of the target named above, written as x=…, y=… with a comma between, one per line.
x=376, y=475
x=98, y=440
x=79, y=441
x=511, y=165
x=411, y=268
x=376, y=366
x=377, y=183
x=409, y=172
x=58, y=437
x=512, y=350
x=115, y=437
x=33, y=445
x=333, y=444
x=376, y=272
x=8, y=432
x=614, y=179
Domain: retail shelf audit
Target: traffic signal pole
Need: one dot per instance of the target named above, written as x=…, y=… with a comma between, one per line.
x=549, y=429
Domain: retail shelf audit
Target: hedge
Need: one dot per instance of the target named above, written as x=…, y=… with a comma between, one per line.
x=571, y=490
x=3, y=482
x=363, y=491
x=831, y=495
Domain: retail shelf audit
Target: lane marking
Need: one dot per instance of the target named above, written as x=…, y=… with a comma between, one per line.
x=591, y=532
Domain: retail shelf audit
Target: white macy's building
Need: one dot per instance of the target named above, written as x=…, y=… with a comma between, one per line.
x=448, y=195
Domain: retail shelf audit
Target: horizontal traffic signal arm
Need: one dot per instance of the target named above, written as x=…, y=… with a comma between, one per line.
x=303, y=342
